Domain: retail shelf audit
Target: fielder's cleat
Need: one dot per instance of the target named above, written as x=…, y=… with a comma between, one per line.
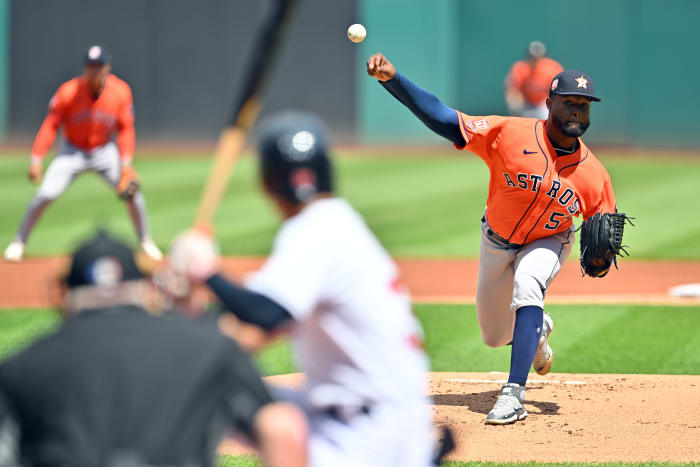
x=544, y=355
x=14, y=251
x=151, y=250
x=509, y=406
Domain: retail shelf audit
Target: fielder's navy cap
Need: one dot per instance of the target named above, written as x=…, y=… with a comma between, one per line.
x=573, y=83
x=96, y=55
x=102, y=261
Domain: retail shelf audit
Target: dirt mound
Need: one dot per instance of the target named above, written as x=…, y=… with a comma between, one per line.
x=572, y=418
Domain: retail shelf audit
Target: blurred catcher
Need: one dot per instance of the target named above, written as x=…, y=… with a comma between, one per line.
x=90, y=108
x=116, y=385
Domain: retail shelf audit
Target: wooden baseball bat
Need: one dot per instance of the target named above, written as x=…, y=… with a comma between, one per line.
x=245, y=111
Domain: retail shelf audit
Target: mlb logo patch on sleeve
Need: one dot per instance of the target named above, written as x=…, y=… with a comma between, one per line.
x=476, y=125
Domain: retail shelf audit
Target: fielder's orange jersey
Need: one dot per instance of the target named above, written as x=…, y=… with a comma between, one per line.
x=533, y=193
x=534, y=80
x=88, y=120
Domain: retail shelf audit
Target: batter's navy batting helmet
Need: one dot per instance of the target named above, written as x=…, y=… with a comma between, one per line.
x=294, y=156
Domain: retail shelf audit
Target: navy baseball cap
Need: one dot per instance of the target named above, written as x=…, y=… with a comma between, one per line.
x=573, y=83
x=96, y=55
x=102, y=261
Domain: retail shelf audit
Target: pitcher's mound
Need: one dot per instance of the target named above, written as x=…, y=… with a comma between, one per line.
x=572, y=417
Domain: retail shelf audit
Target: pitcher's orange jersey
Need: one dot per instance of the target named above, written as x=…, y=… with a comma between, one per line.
x=533, y=193
x=89, y=121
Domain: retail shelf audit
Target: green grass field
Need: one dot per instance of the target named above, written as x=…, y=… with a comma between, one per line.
x=418, y=206
x=588, y=339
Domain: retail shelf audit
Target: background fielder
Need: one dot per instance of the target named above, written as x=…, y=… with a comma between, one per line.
x=541, y=176
x=527, y=82
x=90, y=108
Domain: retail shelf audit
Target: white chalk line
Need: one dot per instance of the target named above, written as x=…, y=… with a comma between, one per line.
x=502, y=381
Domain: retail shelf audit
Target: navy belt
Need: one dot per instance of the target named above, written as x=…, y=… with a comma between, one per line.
x=498, y=239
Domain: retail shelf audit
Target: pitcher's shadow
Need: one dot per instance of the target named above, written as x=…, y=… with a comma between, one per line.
x=482, y=402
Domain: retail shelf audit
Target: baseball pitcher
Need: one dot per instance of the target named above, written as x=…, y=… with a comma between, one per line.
x=90, y=109
x=542, y=175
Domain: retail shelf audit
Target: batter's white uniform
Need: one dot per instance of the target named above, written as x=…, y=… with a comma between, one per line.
x=354, y=336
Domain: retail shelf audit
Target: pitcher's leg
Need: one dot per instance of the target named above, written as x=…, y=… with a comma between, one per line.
x=536, y=266
x=494, y=293
x=526, y=336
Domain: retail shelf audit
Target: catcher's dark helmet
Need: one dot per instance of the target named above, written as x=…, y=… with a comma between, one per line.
x=294, y=158
x=102, y=260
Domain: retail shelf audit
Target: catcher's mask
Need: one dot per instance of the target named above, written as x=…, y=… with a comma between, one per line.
x=294, y=160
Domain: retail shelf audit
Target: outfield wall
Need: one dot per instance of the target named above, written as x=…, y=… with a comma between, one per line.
x=642, y=55
x=183, y=59
x=4, y=66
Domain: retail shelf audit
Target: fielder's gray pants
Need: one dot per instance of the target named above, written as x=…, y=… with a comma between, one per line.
x=70, y=162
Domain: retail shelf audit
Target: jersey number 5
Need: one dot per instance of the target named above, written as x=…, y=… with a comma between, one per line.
x=553, y=221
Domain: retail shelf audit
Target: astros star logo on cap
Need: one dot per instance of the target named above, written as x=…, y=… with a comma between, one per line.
x=582, y=82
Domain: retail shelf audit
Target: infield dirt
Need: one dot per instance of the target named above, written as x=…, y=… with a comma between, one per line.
x=572, y=418
x=26, y=284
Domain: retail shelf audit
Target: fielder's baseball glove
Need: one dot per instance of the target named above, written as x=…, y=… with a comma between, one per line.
x=128, y=183
x=601, y=242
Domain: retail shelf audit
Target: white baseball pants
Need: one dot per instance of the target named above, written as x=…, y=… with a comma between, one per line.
x=512, y=278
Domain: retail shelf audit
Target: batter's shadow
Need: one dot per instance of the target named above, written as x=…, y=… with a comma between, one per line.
x=482, y=402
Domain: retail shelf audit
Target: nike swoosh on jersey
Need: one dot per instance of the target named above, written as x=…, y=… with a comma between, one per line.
x=525, y=151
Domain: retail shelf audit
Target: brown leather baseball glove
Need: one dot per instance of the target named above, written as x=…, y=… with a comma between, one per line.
x=128, y=183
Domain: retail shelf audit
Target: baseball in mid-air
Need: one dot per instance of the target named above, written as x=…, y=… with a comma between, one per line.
x=357, y=33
